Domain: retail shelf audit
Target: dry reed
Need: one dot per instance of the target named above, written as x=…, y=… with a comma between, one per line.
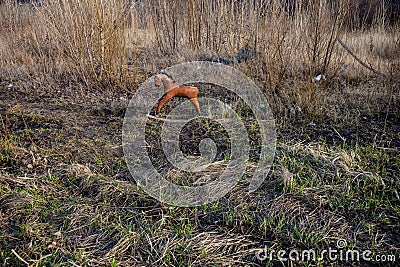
x=115, y=44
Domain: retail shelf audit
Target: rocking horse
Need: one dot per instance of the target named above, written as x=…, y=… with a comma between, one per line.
x=171, y=89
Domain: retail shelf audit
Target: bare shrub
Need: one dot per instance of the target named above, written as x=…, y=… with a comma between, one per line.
x=116, y=44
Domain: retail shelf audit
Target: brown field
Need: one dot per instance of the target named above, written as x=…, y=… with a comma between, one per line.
x=69, y=68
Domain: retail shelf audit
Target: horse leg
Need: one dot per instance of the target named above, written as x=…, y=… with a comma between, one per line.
x=164, y=100
x=195, y=103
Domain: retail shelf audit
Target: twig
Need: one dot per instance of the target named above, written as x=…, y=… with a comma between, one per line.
x=341, y=137
x=19, y=257
x=365, y=64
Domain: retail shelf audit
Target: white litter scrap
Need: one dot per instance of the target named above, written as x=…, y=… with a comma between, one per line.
x=319, y=78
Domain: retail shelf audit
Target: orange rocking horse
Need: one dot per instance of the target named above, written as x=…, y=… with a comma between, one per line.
x=171, y=89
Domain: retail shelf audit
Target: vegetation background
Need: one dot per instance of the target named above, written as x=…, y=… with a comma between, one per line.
x=69, y=68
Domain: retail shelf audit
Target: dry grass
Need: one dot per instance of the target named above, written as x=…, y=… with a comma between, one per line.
x=108, y=44
x=66, y=195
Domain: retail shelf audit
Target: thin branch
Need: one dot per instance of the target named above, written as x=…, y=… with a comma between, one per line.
x=365, y=64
